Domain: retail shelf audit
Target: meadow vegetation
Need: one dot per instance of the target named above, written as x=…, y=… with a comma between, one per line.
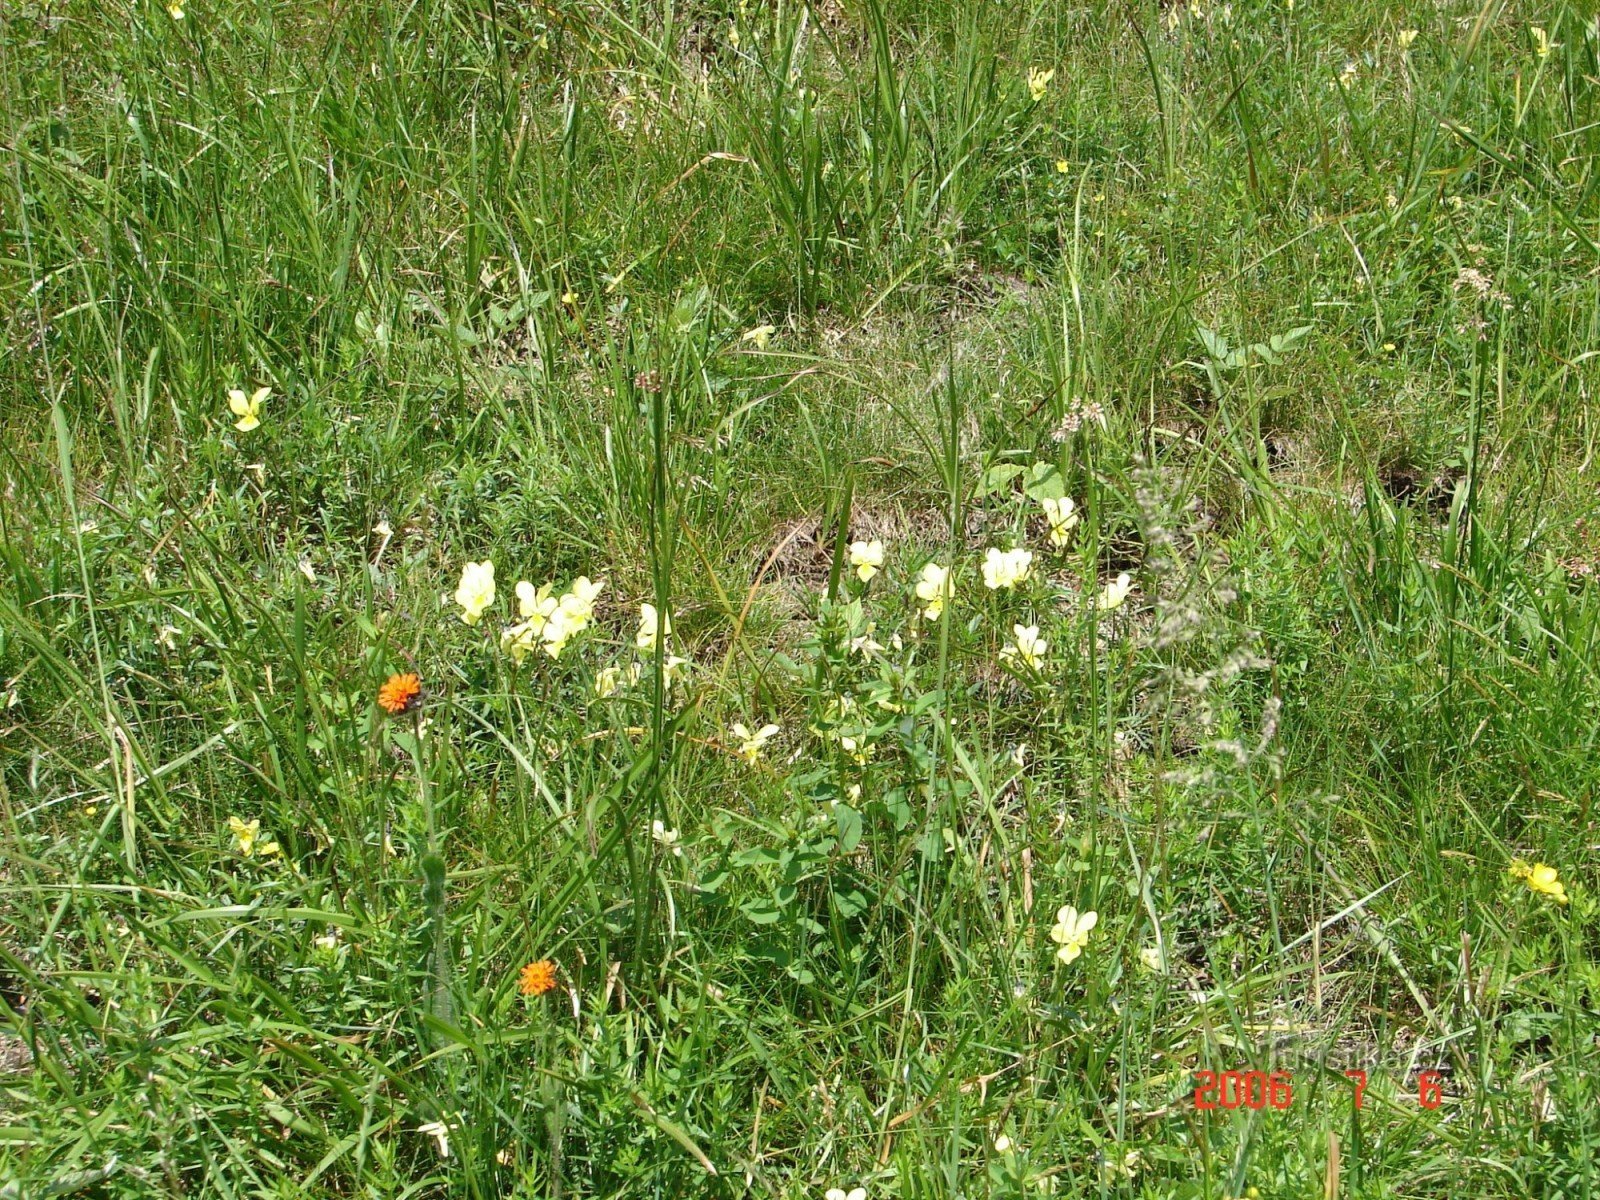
x=767, y=599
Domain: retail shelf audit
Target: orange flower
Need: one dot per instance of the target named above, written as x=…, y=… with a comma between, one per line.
x=400, y=693
x=537, y=978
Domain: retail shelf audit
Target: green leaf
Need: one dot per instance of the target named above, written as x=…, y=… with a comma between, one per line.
x=1045, y=482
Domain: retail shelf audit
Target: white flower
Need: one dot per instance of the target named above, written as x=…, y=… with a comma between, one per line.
x=1019, y=754
x=934, y=589
x=855, y=1193
x=866, y=558
x=1006, y=568
x=1029, y=648
x=1002, y=1144
x=666, y=838
x=1150, y=959
x=1071, y=931
x=440, y=1132
x=1114, y=593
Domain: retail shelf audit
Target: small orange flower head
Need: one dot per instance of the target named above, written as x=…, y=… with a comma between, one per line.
x=537, y=978
x=400, y=694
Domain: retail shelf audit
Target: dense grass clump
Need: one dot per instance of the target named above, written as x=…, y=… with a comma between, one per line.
x=799, y=600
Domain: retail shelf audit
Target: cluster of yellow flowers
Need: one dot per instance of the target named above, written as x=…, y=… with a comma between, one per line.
x=1539, y=877
x=549, y=620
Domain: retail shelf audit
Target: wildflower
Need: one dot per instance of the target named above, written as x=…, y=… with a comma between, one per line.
x=1019, y=755
x=866, y=558
x=759, y=335
x=1150, y=959
x=750, y=744
x=537, y=978
x=1347, y=77
x=399, y=694
x=247, y=408
x=569, y=297
x=1541, y=42
x=1061, y=166
x=578, y=603
x=439, y=1131
x=1038, y=81
x=1071, y=932
x=1006, y=568
x=855, y=1193
x=175, y=10
x=1029, y=648
x=1540, y=878
x=475, y=593
x=1002, y=1144
x=1126, y=1166
x=934, y=589
x=1062, y=515
x=247, y=839
x=308, y=570
x=1407, y=36
x=733, y=35
x=166, y=635
x=1114, y=593
x=609, y=680
x=327, y=941
x=666, y=838
x=651, y=626
x=675, y=668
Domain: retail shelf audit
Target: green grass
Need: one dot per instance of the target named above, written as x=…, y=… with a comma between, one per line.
x=1336, y=296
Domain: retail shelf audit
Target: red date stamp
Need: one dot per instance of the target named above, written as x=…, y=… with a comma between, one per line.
x=1260, y=1089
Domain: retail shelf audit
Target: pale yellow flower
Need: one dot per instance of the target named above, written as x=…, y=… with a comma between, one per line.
x=1347, y=77
x=1406, y=37
x=1002, y=1144
x=1071, y=931
x=475, y=593
x=759, y=335
x=934, y=589
x=750, y=744
x=1039, y=81
x=666, y=838
x=866, y=558
x=610, y=679
x=1062, y=166
x=247, y=408
x=855, y=1193
x=1062, y=515
x=440, y=1132
x=1150, y=959
x=1029, y=648
x=651, y=626
x=1542, y=45
x=1006, y=568
x=1114, y=593
x=175, y=11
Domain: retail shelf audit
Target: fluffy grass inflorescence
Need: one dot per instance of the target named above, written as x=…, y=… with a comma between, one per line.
x=970, y=563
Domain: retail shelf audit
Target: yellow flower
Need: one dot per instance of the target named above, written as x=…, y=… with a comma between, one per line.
x=1407, y=36
x=1038, y=80
x=1062, y=166
x=610, y=679
x=750, y=744
x=1071, y=932
x=1006, y=568
x=934, y=589
x=651, y=626
x=1062, y=515
x=1347, y=77
x=1029, y=648
x=247, y=408
x=475, y=593
x=247, y=839
x=1540, y=878
x=733, y=36
x=1002, y=1144
x=1150, y=959
x=1542, y=45
x=1114, y=593
x=866, y=558
x=175, y=11
x=569, y=298
x=759, y=335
